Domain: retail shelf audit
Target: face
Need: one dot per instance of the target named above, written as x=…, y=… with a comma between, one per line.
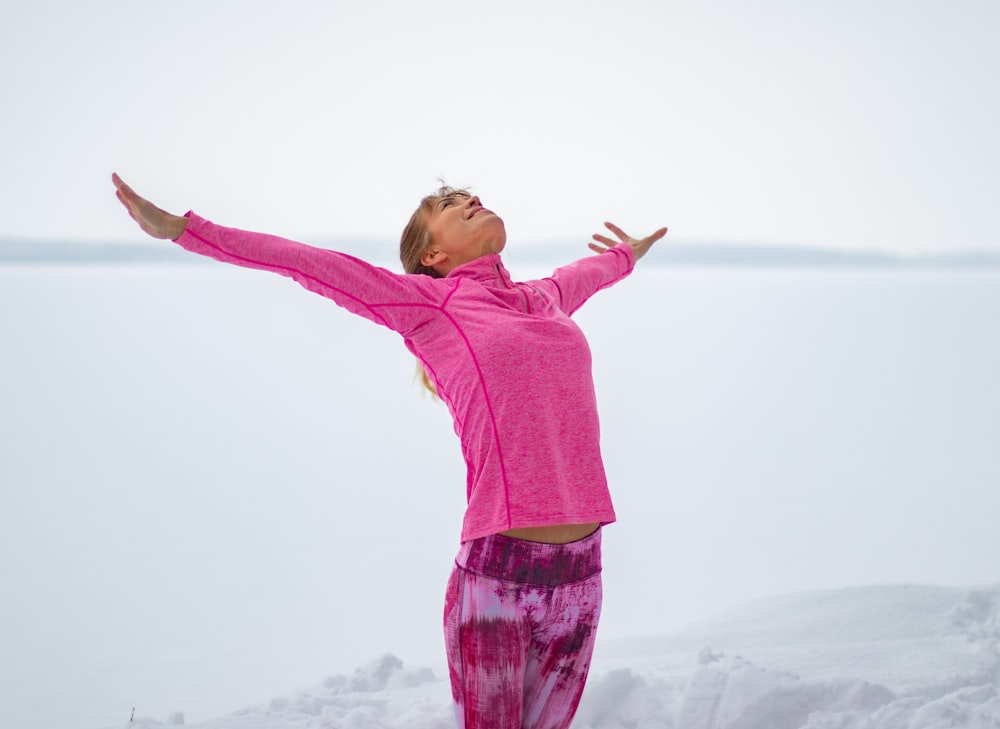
x=461, y=230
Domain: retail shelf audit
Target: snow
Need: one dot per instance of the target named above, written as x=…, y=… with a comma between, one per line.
x=212, y=502
x=890, y=657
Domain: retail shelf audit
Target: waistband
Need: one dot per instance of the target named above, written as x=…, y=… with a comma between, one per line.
x=532, y=563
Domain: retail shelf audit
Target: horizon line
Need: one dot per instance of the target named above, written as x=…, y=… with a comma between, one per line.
x=684, y=252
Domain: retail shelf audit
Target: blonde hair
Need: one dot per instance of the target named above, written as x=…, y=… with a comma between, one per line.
x=415, y=240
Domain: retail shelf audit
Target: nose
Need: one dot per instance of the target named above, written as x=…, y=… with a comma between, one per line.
x=472, y=204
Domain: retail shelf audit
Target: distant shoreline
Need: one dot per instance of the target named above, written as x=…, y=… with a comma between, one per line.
x=720, y=255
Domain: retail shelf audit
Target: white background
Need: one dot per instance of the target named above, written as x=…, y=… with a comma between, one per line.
x=855, y=125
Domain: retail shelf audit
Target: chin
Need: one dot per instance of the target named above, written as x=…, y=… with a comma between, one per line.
x=502, y=243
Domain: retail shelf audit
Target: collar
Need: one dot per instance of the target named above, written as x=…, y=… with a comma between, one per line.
x=488, y=269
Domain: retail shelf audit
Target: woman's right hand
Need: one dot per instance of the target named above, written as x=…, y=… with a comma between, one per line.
x=153, y=221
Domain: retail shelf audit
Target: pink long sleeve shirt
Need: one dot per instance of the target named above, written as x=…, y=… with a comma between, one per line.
x=507, y=360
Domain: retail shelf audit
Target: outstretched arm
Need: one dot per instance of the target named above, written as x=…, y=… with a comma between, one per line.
x=639, y=245
x=572, y=285
x=399, y=301
x=153, y=221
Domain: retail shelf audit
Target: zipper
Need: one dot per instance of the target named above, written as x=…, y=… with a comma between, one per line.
x=527, y=301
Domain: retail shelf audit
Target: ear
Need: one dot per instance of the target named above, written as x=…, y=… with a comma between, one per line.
x=432, y=257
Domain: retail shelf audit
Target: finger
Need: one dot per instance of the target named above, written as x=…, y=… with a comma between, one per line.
x=131, y=205
x=131, y=212
x=126, y=193
x=596, y=248
x=120, y=183
x=123, y=200
x=657, y=235
x=605, y=240
x=616, y=230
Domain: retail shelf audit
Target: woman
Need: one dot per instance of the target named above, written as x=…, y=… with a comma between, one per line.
x=523, y=601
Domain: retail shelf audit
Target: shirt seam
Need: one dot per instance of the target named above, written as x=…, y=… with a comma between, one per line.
x=299, y=271
x=489, y=409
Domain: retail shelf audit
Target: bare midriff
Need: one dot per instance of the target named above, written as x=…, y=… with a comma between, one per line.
x=557, y=534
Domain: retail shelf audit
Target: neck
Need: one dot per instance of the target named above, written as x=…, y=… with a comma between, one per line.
x=446, y=267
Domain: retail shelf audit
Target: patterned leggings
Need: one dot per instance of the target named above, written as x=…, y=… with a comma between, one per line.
x=520, y=620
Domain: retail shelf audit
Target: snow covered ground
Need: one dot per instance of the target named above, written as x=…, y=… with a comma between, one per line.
x=216, y=488
x=903, y=657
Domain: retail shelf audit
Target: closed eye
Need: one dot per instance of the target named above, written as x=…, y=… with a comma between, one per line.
x=450, y=199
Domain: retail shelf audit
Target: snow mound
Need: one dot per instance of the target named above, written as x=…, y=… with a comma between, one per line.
x=887, y=657
x=908, y=638
x=938, y=648
x=378, y=695
x=733, y=693
x=979, y=615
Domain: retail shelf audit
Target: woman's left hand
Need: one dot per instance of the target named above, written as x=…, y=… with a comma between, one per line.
x=639, y=245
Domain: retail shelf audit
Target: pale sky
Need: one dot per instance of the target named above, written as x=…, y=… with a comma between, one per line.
x=852, y=125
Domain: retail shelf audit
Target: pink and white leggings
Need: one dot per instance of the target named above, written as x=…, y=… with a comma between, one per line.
x=520, y=621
